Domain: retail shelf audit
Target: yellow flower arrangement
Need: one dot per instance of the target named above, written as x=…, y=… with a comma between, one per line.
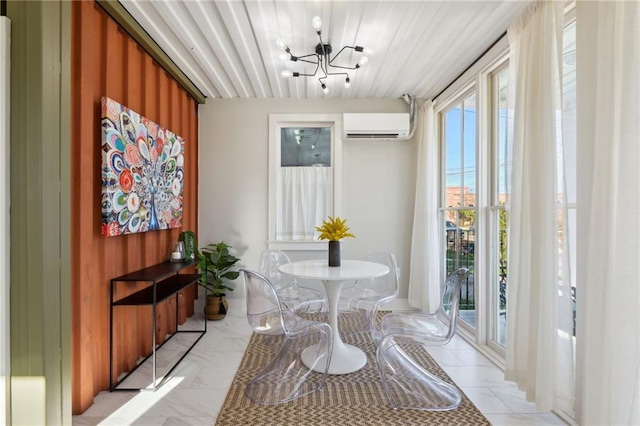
x=334, y=229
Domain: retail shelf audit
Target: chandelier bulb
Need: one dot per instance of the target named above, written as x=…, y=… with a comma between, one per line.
x=281, y=44
x=363, y=61
x=286, y=73
x=284, y=57
x=316, y=23
x=367, y=52
x=347, y=83
x=325, y=89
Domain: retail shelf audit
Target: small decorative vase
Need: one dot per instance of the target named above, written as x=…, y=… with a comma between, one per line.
x=177, y=252
x=334, y=253
x=189, y=240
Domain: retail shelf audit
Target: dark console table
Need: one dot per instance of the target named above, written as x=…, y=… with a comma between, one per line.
x=166, y=280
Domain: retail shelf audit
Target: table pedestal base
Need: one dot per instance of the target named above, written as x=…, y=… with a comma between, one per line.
x=345, y=359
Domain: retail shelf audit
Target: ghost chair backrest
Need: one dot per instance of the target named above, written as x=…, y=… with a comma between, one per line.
x=387, y=284
x=450, y=298
x=270, y=262
x=264, y=311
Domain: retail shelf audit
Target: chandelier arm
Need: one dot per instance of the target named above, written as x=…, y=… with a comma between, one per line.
x=344, y=68
x=307, y=56
x=322, y=65
x=322, y=84
x=321, y=43
x=316, y=70
x=307, y=61
x=338, y=73
x=338, y=54
x=322, y=62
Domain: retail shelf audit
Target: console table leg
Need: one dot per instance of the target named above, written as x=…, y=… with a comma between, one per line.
x=153, y=344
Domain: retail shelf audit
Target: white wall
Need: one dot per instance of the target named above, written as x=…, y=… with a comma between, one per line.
x=378, y=179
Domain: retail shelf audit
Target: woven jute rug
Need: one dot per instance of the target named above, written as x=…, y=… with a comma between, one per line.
x=350, y=399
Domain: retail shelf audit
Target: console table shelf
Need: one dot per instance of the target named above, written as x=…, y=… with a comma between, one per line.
x=155, y=272
x=166, y=280
x=165, y=288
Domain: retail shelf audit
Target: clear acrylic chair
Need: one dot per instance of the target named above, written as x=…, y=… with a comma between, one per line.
x=297, y=298
x=367, y=296
x=407, y=384
x=286, y=377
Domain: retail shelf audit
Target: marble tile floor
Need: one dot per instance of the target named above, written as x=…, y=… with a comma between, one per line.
x=196, y=389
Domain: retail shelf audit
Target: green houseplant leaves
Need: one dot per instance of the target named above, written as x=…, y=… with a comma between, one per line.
x=215, y=263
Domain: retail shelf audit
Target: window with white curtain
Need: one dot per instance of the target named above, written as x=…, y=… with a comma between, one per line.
x=488, y=198
x=305, y=200
x=476, y=184
x=305, y=161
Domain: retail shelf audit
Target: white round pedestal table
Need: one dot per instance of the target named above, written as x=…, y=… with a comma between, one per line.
x=344, y=358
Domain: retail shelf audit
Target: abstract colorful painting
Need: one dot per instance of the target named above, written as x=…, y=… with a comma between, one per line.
x=142, y=173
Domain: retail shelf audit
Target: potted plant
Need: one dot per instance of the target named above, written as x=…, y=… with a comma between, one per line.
x=215, y=263
x=334, y=229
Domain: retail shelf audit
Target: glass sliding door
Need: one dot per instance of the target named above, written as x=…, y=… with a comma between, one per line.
x=458, y=198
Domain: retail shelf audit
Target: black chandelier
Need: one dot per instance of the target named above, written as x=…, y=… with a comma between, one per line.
x=322, y=59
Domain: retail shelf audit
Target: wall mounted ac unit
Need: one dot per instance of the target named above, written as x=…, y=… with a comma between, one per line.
x=375, y=126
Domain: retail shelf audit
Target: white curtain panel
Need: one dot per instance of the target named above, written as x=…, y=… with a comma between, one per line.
x=539, y=324
x=5, y=66
x=306, y=201
x=424, y=268
x=608, y=296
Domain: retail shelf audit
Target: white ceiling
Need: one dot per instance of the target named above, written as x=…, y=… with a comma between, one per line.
x=228, y=48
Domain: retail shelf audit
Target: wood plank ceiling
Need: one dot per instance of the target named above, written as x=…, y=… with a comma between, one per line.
x=228, y=48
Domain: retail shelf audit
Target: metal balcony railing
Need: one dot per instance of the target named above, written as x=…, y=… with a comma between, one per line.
x=460, y=245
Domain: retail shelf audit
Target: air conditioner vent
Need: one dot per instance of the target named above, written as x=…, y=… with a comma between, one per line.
x=376, y=126
x=373, y=135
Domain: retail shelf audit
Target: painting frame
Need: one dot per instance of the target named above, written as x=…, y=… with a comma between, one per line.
x=142, y=173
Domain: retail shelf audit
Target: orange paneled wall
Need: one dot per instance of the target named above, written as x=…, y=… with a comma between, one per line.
x=107, y=62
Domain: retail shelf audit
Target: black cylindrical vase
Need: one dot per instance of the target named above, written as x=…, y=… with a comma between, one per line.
x=334, y=253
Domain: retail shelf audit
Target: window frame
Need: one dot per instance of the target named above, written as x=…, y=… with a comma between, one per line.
x=493, y=207
x=477, y=77
x=458, y=99
x=276, y=123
